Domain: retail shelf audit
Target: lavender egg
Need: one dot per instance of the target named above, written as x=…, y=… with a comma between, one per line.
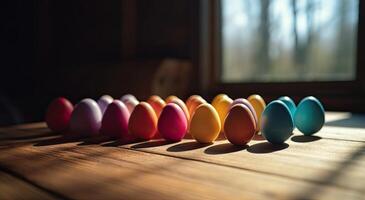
x=86, y=118
x=103, y=102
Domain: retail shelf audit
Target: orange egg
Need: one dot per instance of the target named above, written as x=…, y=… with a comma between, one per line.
x=157, y=104
x=143, y=121
x=192, y=97
x=182, y=105
x=217, y=98
x=259, y=105
x=170, y=98
x=194, y=103
x=239, y=126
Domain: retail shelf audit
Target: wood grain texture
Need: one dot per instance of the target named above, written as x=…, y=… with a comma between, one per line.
x=14, y=188
x=327, y=166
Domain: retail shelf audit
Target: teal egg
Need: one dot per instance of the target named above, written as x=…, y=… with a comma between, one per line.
x=290, y=103
x=276, y=122
x=309, y=116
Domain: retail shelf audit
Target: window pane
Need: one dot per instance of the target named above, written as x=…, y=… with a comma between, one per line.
x=289, y=40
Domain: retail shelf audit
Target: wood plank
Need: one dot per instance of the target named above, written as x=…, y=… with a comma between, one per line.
x=96, y=172
x=14, y=188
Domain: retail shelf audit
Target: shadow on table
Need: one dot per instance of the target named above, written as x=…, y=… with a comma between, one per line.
x=266, y=147
x=150, y=144
x=224, y=149
x=187, y=146
x=305, y=139
x=59, y=140
x=353, y=121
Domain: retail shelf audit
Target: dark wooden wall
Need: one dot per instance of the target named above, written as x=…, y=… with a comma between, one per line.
x=80, y=48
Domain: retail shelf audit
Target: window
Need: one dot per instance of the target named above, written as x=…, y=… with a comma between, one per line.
x=288, y=40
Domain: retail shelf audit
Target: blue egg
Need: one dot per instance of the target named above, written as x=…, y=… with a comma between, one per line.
x=309, y=116
x=290, y=103
x=276, y=122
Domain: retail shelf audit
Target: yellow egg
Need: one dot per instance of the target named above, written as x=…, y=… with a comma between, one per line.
x=205, y=124
x=222, y=107
x=217, y=98
x=259, y=105
x=170, y=98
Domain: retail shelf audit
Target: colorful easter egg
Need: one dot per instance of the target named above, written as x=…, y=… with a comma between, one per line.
x=217, y=98
x=143, y=121
x=115, y=120
x=309, y=116
x=157, y=104
x=290, y=103
x=182, y=105
x=170, y=98
x=259, y=105
x=192, y=97
x=172, y=124
x=222, y=107
x=103, y=102
x=239, y=125
x=205, y=124
x=248, y=104
x=128, y=97
x=194, y=103
x=131, y=103
x=86, y=118
x=276, y=123
x=58, y=114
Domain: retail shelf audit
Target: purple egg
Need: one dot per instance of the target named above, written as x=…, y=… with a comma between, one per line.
x=86, y=118
x=104, y=101
x=172, y=124
x=248, y=104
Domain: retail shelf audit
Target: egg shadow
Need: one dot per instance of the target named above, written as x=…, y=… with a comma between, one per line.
x=304, y=138
x=62, y=139
x=266, y=147
x=224, y=149
x=120, y=142
x=95, y=140
x=187, y=146
x=150, y=144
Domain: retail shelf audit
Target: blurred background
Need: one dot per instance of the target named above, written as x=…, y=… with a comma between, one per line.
x=80, y=48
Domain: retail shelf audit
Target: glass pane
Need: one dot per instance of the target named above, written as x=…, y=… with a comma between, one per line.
x=289, y=40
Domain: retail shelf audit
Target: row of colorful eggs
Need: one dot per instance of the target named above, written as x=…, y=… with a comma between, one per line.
x=239, y=120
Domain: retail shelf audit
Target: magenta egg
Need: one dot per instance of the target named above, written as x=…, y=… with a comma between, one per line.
x=104, y=101
x=115, y=120
x=172, y=124
x=86, y=118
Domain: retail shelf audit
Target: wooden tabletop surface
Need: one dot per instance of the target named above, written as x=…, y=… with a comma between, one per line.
x=38, y=164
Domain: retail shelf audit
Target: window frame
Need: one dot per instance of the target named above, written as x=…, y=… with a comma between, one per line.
x=336, y=95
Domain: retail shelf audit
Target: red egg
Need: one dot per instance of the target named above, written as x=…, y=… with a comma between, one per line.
x=115, y=120
x=239, y=125
x=58, y=114
x=143, y=121
x=172, y=123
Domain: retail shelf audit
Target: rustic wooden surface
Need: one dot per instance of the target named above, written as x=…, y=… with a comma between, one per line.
x=38, y=164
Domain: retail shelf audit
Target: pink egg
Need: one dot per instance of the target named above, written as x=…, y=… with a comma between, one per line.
x=172, y=123
x=128, y=97
x=248, y=104
x=104, y=101
x=86, y=118
x=115, y=120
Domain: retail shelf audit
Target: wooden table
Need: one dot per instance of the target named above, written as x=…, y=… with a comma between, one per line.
x=38, y=164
